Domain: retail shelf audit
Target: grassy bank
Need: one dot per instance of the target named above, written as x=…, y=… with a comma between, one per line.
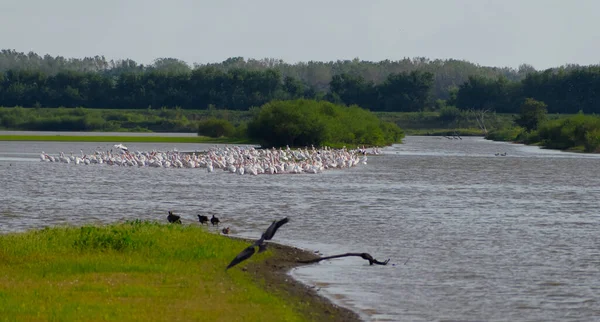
x=112, y=120
x=179, y=120
x=576, y=133
x=100, y=138
x=137, y=271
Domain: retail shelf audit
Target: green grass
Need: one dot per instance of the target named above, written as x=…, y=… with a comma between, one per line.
x=134, y=271
x=100, y=138
x=506, y=135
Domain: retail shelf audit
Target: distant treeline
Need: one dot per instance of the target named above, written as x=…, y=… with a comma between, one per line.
x=317, y=75
x=236, y=89
x=562, y=91
x=395, y=86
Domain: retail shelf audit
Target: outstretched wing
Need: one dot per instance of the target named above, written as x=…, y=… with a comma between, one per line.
x=270, y=232
x=244, y=255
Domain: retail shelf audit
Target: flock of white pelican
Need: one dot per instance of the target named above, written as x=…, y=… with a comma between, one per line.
x=234, y=159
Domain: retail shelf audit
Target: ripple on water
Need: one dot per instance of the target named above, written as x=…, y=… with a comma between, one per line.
x=471, y=236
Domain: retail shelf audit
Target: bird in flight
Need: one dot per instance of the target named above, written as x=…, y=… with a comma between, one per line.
x=250, y=250
x=365, y=256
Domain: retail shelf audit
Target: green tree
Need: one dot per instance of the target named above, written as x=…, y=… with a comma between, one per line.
x=406, y=92
x=532, y=114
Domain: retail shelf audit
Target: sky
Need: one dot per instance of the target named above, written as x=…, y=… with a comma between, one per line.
x=502, y=33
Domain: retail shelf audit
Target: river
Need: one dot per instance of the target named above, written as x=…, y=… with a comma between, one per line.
x=471, y=236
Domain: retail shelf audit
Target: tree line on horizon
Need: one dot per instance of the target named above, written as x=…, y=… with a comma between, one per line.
x=396, y=86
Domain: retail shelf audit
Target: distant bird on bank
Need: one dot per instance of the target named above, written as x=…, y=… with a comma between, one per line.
x=203, y=219
x=214, y=220
x=172, y=218
x=267, y=235
x=225, y=231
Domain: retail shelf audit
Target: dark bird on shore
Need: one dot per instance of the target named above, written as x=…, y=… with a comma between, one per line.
x=267, y=235
x=172, y=218
x=225, y=231
x=362, y=255
x=203, y=219
x=214, y=220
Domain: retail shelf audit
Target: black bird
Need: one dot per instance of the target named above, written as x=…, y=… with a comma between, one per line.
x=270, y=232
x=267, y=235
x=244, y=255
x=203, y=219
x=214, y=220
x=172, y=218
x=365, y=256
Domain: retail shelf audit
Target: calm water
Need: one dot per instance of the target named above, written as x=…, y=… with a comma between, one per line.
x=471, y=236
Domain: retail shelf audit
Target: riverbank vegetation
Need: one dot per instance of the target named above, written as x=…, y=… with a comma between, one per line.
x=298, y=123
x=138, y=271
x=111, y=120
x=578, y=132
x=421, y=96
x=219, y=122
x=320, y=123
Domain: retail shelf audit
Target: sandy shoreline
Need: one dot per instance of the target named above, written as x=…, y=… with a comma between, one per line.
x=272, y=274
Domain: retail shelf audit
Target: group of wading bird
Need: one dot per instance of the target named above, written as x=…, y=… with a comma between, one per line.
x=267, y=235
x=236, y=159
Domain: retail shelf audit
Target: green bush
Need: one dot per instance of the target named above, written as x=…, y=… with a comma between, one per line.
x=309, y=122
x=579, y=131
x=449, y=113
x=216, y=128
x=505, y=134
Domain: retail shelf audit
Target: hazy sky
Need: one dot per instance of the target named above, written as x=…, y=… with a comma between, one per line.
x=543, y=33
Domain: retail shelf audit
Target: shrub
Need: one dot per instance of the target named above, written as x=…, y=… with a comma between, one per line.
x=310, y=122
x=216, y=128
x=449, y=113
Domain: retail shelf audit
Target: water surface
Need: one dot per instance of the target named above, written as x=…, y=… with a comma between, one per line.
x=471, y=236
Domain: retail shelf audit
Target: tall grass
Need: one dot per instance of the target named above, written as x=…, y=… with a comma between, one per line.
x=135, y=271
x=112, y=120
